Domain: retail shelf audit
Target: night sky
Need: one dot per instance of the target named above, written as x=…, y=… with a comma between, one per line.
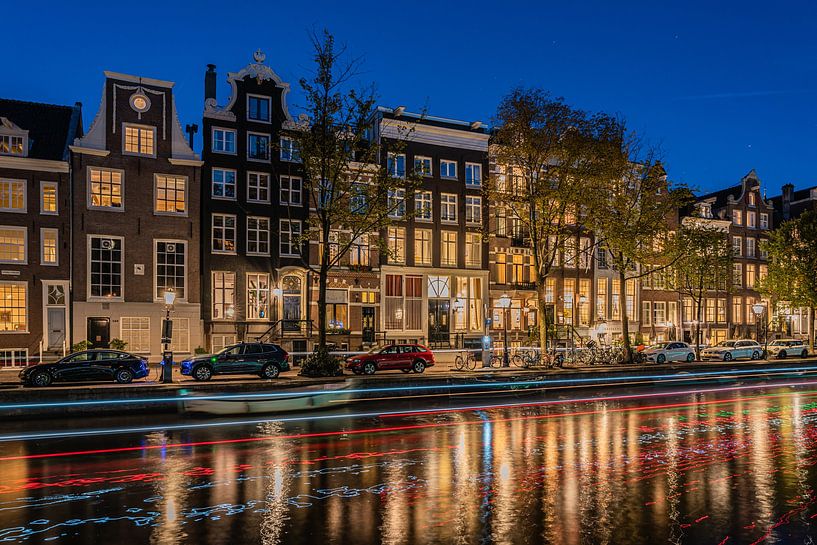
x=721, y=89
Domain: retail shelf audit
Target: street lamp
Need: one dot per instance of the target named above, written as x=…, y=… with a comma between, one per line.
x=758, y=309
x=505, y=304
x=167, y=336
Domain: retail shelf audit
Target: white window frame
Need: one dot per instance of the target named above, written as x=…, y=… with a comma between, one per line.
x=289, y=191
x=269, y=146
x=223, y=318
x=122, y=275
x=24, y=231
x=23, y=135
x=140, y=128
x=212, y=235
x=24, y=285
x=423, y=202
x=121, y=189
x=156, y=211
x=737, y=246
x=763, y=220
x=247, y=296
x=446, y=203
x=56, y=186
x=122, y=329
x=178, y=328
x=392, y=161
x=475, y=204
x=156, y=241
x=473, y=241
x=448, y=176
x=15, y=362
x=292, y=234
x=259, y=231
x=445, y=244
x=266, y=99
x=43, y=231
x=424, y=159
x=213, y=141
x=11, y=182
x=751, y=247
x=291, y=149
x=473, y=183
x=397, y=235
x=224, y=184
x=396, y=203
x=427, y=245
x=257, y=186
x=751, y=219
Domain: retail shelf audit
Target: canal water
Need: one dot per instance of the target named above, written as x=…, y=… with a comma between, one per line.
x=719, y=467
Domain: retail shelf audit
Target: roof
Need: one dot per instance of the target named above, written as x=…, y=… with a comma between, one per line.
x=50, y=127
x=720, y=198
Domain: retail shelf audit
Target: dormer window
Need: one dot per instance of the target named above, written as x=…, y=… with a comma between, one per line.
x=139, y=140
x=752, y=198
x=12, y=145
x=258, y=108
x=705, y=210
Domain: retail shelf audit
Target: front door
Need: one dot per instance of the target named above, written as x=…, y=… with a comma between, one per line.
x=438, y=320
x=99, y=332
x=367, y=324
x=56, y=328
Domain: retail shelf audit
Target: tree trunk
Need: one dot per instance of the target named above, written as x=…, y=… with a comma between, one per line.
x=323, y=279
x=625, y=319
x=696, y=342
x=542, y=308
x=810, y=329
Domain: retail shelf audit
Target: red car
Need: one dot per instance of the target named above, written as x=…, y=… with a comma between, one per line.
x=406, y=357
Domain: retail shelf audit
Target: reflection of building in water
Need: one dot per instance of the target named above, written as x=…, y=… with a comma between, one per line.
x=171, y=485
x=277, y=485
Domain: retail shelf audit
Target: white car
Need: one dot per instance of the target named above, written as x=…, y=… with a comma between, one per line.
x=671, y=351
x=782, y=348
x=732, y=350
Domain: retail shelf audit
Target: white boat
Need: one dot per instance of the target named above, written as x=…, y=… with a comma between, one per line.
x=318, y=396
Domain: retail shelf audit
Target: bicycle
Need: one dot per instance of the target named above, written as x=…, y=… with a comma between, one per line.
x=468, y=363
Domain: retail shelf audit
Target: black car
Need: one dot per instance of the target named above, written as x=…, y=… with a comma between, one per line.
x=98, y=365
x=266, y=360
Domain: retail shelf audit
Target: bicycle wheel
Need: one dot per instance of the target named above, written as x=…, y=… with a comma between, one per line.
x=518, y=360
x=496, y=360
x=459, y=362
x=471, y=362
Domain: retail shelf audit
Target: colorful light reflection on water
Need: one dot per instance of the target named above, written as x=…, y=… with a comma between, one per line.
x=721, y=468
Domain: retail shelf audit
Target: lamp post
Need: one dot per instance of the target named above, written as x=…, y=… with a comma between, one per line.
x=167, y=337
x=276, y=295
x=505, y=304
x=758, y=309
x=457, y=306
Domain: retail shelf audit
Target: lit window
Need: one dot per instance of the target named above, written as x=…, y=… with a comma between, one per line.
x=737, y=274
x=422, y=205
x=105, y=188
x=397, y=203
x=751, y=275
x=473, y=209
x=135, y=331
x=258, y=108
x=397, y=244
x=13, y=244
x=473, y=250
x=105, y=274
x=223, y=235
x=396, y=165
x=258, y=187
x=257, y=235
x=181, y=335
x=422, y=166
x=290, y=232
x=12, y=145
x=171, y=194
x=140, y=140
x=422, y=246
x=751, y=219
x=448, y=248
x=48, y=198
x=448, y=169
x=291, y=191
x=49, y=246
x=737, y=217
x=473, y=174
x=750, y=247
x=258, y=147
x=359, y=251
x=223, y=295
x=13, y=306
x=223, y=183
x=170, y=268
x=257, y=296
x=290, y=151
x=12, y=195
x=448, y=207
x=223, y=141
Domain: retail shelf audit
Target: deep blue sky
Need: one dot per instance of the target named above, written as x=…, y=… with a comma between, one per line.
x=723, y=89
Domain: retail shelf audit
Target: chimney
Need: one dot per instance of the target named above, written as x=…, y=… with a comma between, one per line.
x=210, y=82
x=788, y=193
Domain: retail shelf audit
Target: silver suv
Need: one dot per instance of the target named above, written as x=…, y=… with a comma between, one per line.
x=783, y=348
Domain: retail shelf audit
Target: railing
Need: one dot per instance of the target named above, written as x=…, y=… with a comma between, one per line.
x=522, y=285
x=286, y=328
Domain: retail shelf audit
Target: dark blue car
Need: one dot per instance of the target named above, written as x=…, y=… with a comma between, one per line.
x=97, y=365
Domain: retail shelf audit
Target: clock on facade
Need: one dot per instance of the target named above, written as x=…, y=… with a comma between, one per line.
x=139, y=102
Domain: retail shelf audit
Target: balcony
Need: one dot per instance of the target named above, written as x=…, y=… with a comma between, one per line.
x=522, y=285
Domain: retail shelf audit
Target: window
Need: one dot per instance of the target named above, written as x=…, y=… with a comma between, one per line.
x=397, y=244
x=49, y=247
x=223, y=141
x=501, y=268
x=737, y=217
x=710, y=311
x=359, y=251
x=646, y=313
x=224, y=183
x=737, y=310
x=501, y=227
x=422, y=165
x=672, y=312
x=140, y=140
x=170, y=194
x=258, y=187
x=220, y=342
x=762, y=250
x=601, y=298
x=394, y=302
x=257, y=235
x=762, y=272
x=751, y=275
x=750, y=247
x=601, y=258
x=13, y=306
x=473, y=174
x=660, y=313
x=550, y=290
x=290, y=150
x=422, y=205
x=289, y=237
x=721, y=315
x=12, y=195
x=136, y=332
x=337, y=308
x=181, y=336
x=570, y=252
x=473, y=209
x=737, y=246
x=615, y=306
x=585, y=253
x=396, y=203
x=737, y=274
x=12, y=145
x=49, y=202
x=13, y=244
x=569, y=296
x=257, y=296
x=752, y=198
x=357, y=199
x=518, y=267
x=291, y=191
x=258, y=108
x=223, y=234
x=422, y=246
x=170, y=268
x=414, y=302
x=396, y=165
x=764, y=220
x=258, y=146
x=223, y=295
x=105, y=188
x=448, y=248
x=473, y=250
x=448, y=207
x=105, y=271
x=751, y=219
x=448, y=169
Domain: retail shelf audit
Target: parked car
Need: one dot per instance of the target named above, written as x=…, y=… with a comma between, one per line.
x=405, y=357
x=783, y=348
x=671, y=351
x=98, y=365
x=266, y=360
x=731, y=350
